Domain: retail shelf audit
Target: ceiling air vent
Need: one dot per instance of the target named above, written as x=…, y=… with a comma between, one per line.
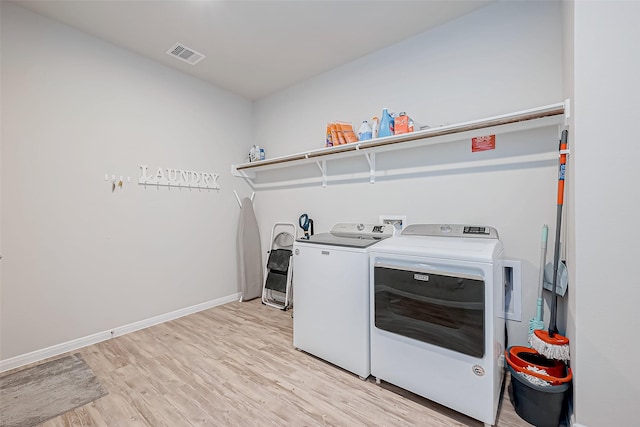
x=185, y=54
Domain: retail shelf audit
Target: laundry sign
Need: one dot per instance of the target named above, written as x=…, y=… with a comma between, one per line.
x=483, y=143
x=171, y=177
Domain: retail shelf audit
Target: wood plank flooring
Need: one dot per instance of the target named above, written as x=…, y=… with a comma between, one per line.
x=235, y=365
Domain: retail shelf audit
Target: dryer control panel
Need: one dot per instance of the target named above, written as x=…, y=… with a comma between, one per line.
x=451, y=230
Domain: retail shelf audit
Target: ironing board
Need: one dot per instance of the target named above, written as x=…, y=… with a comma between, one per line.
x=249, y=253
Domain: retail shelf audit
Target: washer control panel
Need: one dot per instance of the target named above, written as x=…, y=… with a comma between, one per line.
x=362, y=230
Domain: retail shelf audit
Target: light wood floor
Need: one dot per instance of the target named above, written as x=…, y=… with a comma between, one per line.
x=235, y=365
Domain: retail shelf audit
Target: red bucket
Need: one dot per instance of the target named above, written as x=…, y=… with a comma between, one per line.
x=554, y=380
x=525, y=356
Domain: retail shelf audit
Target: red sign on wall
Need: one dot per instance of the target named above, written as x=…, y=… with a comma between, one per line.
x=483, y=143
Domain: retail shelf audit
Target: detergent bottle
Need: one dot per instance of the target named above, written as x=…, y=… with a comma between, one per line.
x=365, y=133
x=386, y=124
x=374, y=127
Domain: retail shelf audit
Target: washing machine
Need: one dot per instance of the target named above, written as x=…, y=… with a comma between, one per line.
x=437, y=315
x=331, y=294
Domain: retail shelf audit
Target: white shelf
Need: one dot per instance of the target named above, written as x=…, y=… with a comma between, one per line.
x=549, y=115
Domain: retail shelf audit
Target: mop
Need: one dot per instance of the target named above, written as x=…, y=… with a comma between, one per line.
x=537, y=322
x=549, y=343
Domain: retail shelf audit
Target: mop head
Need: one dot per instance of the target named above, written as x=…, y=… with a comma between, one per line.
x=556, y=347
x=533, y=379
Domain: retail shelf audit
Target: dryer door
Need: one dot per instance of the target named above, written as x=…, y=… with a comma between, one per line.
x=442, y=308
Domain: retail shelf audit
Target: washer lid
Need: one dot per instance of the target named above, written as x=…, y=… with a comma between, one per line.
x=338, y=240
x=352, y=235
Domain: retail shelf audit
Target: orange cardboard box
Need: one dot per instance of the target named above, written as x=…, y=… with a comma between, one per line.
x=347, y=131
x=401, y=125
x=328, y=138
x=337, y=135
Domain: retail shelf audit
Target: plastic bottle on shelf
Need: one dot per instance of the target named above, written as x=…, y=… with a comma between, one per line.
x=374, y=127
x=365, y=132
x=386, y=124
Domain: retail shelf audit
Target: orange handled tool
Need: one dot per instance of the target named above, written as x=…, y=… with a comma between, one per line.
x=563, y=167
x=550, y=343
x=553, y=328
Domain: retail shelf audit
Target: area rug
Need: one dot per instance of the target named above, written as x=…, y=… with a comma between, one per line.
x=34, y=395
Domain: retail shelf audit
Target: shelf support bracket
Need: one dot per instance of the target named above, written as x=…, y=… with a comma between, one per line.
x=371, y=159
x=323, y=169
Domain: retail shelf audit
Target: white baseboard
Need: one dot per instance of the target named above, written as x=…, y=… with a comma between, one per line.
x=45, y=353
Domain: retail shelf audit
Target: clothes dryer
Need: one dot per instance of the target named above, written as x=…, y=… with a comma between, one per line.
x=437, y=308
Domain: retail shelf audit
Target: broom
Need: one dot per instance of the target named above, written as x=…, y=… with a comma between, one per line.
x=537, y=322
x=549, y=343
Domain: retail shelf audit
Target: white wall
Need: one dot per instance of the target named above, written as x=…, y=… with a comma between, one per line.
x=503, y=58
x=496, y=60
x=570, y=182
x=607, y=66
x=78, y=258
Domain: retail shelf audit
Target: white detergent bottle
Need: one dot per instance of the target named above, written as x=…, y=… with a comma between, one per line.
x=365, y=132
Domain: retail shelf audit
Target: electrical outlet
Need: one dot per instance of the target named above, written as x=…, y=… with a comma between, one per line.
x=512, y=278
